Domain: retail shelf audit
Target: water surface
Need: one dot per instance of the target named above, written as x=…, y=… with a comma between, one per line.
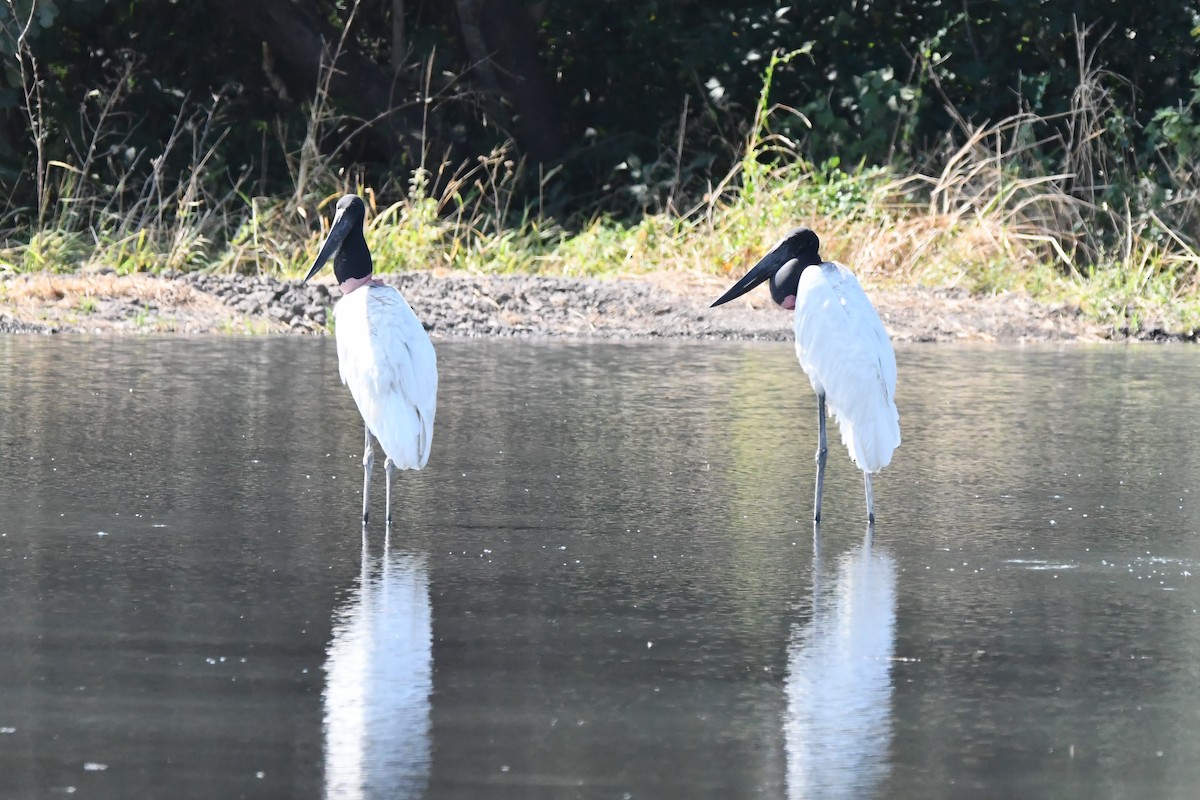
x=604, y=584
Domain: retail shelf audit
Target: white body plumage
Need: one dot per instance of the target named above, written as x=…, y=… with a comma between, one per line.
x=845, y=351
x=387, y=361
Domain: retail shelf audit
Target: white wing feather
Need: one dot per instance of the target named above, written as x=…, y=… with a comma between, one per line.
x=846, y=353
x=387, y=360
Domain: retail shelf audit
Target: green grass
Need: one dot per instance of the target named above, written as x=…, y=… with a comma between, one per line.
x=985, y=214
x=891, y=228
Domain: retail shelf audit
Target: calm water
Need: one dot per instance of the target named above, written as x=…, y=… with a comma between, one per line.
x=603, y=586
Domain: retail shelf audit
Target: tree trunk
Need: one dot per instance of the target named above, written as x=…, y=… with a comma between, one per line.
x=502, y=42
x=399, y=45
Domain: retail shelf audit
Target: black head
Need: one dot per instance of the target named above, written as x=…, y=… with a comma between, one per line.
x=352, y=259
x=783, y=265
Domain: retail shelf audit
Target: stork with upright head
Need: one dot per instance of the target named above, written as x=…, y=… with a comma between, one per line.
x=842, y=347
x=384, y=353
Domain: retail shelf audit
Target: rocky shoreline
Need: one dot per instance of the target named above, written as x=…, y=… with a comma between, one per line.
x=464, y=305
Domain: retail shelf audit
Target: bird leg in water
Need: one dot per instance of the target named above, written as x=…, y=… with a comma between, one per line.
x=870, y=501
x=368, y=462
x=387, y=470
x=822, y=454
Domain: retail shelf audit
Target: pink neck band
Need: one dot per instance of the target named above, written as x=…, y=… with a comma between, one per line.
x=349, y=285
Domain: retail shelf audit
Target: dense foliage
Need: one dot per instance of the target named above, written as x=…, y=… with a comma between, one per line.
x=640, y=102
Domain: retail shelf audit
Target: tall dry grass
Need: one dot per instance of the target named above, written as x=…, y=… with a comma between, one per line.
x=983, y=213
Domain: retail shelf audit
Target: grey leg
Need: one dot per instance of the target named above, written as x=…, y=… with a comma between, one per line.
x=368, y=462
x=870, y=500
x=822, y=454
x=388, y=466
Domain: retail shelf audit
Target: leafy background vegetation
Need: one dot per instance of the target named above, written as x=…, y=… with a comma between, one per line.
x=994, y=144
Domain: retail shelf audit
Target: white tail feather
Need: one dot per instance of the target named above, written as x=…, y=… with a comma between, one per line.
x=846, y=353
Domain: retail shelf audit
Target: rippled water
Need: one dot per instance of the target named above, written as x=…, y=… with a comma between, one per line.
x=604, y=585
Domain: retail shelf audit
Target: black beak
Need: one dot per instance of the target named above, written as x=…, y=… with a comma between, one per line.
x=765, y=268
x=337, y=234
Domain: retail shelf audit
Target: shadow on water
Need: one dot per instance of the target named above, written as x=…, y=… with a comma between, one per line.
x=378, y=680
x=838, y=727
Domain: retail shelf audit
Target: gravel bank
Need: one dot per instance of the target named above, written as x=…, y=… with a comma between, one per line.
x=456, y=304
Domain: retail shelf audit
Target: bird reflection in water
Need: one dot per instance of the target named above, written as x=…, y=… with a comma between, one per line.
x=838, y=727
x=378, y=679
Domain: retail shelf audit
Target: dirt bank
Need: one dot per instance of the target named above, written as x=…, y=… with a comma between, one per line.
x=457, y=304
